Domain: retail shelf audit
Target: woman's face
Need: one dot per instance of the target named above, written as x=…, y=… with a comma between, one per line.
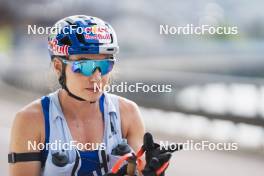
x=84, y=86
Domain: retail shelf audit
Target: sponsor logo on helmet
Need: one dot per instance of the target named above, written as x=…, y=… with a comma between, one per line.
x=96, y=29
x=100, y=33
x=98, y=37
x=57, y=49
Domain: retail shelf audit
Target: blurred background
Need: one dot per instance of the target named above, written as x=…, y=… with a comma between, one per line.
x=217, y=80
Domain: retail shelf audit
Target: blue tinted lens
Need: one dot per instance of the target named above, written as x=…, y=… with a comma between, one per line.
x=87, y=67
x=106, y=66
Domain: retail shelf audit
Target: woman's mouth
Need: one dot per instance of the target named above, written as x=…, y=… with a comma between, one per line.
x=91, y=89
x=95, y=90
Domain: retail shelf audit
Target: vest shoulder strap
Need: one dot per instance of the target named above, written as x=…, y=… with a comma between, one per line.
x=45, y=102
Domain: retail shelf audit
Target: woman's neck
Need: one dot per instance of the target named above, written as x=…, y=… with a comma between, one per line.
x=75, y=108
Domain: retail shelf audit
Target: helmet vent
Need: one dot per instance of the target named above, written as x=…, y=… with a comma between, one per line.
x=80, y=37
x=91, y=23
x=65, y=41
x=111, y=38
x=69, y=21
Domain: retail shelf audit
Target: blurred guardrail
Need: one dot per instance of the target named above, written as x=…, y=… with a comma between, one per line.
x=190, y=98
x=238, y=99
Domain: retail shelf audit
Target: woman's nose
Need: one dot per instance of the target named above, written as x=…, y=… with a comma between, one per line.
x=96, y=76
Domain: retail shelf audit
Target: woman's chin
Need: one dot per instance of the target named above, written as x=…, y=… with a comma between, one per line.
x=92, y=96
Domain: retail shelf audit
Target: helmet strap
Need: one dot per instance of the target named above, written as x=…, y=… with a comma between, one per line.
x=62, y=81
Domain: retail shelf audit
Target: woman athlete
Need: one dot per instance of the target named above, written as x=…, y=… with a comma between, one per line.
x=78, y=129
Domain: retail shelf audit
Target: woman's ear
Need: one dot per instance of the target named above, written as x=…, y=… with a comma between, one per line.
x=57, y=66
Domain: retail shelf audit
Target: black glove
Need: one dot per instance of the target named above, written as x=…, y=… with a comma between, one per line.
x=157, y=158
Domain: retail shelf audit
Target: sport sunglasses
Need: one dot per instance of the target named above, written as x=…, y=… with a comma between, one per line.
x=87, y=67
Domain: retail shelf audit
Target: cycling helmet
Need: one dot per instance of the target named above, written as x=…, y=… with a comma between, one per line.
x=81, y=34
